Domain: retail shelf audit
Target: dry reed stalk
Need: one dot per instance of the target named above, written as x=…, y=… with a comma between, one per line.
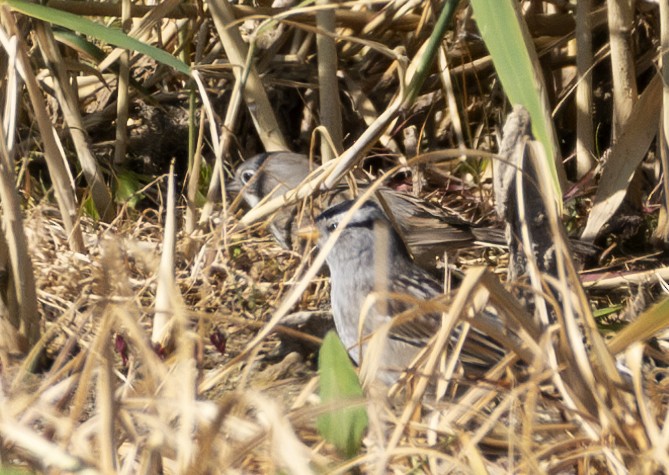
x=100, y=193
x=162, y=333
x=20, y=300
x=585, y=140
x=620, y=17
x=328, y=84
x=62, y=180
x=566, y=410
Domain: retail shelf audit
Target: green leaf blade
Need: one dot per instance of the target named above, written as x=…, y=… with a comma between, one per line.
x=87, y=27
x=344, y=428
x=512, y=50
x=127, y=188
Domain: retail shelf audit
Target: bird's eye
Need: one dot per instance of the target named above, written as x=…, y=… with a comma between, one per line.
x=332, y=227
x=246, y=176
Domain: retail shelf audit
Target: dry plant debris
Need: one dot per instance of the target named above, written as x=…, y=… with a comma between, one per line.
x=94, y=395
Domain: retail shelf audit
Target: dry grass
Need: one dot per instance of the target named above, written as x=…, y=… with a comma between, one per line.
x=231, y=389
x=182, y=412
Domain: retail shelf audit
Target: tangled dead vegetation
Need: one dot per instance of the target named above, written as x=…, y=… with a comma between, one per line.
x=108, y=390
x=423, y=90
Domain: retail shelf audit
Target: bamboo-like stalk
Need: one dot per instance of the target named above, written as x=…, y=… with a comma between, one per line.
x=161, y=333
x=447, y=86
x=106, y=395
x=184, y=388
x=255, y=95
x=100, y=193
x=620, y=17
x=625, y=157
x=63, y=183
x=220, y=146
x=186, y=373
x=328, y=84
x=194, y=180
x=585, y=133
x=661, y=234
x=195, y=138
x=344, y=17
x=123, y=94
x=21, y=292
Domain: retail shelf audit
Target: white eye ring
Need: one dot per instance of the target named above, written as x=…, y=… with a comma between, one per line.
x=246, y=176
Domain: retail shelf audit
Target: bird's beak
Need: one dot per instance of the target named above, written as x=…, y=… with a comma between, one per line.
x=308, y=233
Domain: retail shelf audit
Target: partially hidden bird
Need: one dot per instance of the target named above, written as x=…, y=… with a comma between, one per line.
x=359, y=265
x=427, y=229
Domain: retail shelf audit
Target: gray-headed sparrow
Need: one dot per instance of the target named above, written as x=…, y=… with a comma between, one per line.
x=426, y=228
x=268, y=175
x=359, y=265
